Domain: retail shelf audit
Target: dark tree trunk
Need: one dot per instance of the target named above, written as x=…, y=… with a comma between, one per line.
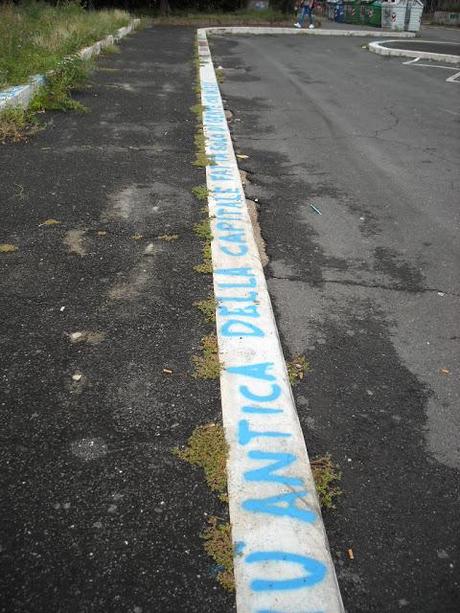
x=165, y=9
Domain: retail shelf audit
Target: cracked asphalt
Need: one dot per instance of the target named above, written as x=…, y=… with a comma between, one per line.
x=98, y=514
x=367, y=286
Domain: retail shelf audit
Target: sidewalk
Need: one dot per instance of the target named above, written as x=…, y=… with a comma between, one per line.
x=101, y=515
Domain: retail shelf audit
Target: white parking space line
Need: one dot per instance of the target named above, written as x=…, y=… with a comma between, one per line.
x=453, y=78
x=416, y=59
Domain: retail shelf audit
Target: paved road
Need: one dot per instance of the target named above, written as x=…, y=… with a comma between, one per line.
x=98, y=514
x=369, y=291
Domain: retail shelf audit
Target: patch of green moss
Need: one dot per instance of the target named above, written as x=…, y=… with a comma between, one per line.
x=208, y=307
x=208, y=449
x=326, y=476
x=207, y=365
x=220, y=75
x=206, y=265
x=218, y=544
x=200, y=192
x=203, y=230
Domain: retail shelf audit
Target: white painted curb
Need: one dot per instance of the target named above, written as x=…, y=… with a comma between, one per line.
x=282, y=559
x=21, y=95
x=379, y=48
x=306, y=32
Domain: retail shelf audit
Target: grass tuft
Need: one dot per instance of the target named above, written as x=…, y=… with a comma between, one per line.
x=35, y=37
x=326, y=475
x=208, y=449
x=220, y=76
x=297, y=367
x=16, y=124
x=200, y=192
x=208, y=307
x=218, y=544
x=168, y=237
x=206, y=265
x=55, y=94
x=207, y=365
x=203, y=230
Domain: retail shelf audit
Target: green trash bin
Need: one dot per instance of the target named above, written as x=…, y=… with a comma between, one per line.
x=352, y=11
x=364, y=12
x=375, y=14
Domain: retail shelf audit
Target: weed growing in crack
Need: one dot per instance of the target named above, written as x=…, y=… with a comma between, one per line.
x=218, y=544
x=168, y=237
x=55, y=94
x=16, y=124
x=206, y=265
x=207, y=365
x=208, y=449
x=297, y=367
x=203, y=230
x=208, y=307
x=326, y=475
x=200, y=192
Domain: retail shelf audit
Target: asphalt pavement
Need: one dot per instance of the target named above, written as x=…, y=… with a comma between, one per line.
x=97, y=333
x=353, y=159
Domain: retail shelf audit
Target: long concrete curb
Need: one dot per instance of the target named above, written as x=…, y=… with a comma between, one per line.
x=282, y=560
x=306, y=32
x=21, y=95
x=379, y=48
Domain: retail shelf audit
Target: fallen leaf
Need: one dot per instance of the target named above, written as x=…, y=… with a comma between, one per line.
x=7, y=248
x=49, y=222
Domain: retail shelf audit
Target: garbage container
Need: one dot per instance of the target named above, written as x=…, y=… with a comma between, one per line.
x=394, y=15
x=374, y=14
x=364, y=12
x=352, y=11
x=331, y=10
x=340, y=12
x=415, y=16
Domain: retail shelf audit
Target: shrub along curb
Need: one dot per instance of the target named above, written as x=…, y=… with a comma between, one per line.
x=21, y=95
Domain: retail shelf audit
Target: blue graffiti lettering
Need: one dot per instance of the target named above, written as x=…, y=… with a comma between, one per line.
x=245, y=434
x=256, y=371
x=282, y=505
x=260, y=410
x=251, y=297
x=280, y=460
x=240, y=250
x=236, y=327
x=275, y=393
x=247, y=311
x=316, y=571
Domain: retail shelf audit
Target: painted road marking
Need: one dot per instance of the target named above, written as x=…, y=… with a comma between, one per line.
x=416, y=59
x=282, y=558
x=453, y=78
